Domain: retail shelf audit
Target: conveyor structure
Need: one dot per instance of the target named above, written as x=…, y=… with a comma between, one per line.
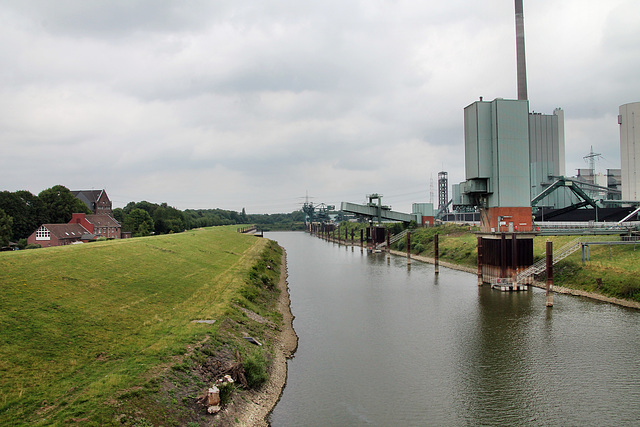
x=376, y=210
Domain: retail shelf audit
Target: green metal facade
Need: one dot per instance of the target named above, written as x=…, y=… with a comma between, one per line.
x=424, y=209
x=546, y=142
x=497, y=151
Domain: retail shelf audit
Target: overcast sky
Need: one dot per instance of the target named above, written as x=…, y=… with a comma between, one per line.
x=252, y=104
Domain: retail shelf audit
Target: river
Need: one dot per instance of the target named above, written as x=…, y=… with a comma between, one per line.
x=382, y=343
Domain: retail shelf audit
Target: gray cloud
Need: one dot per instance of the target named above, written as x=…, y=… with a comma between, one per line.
x=251, y=104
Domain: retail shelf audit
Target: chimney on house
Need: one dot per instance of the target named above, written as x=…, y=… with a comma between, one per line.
x=521, y=62
x=77, y=218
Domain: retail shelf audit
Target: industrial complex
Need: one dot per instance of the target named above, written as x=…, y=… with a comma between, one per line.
x=515, y=177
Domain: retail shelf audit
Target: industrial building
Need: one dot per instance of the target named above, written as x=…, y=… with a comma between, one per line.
x=629, y=121
x=547, y=156
x=497, y=163
x=515, y=160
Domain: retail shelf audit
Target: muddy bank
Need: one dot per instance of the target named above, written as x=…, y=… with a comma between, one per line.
x=556, y=288
x=255, y=406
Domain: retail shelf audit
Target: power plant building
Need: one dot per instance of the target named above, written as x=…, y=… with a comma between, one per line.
x=497, y=161
x=629, y=121
x=547, y=154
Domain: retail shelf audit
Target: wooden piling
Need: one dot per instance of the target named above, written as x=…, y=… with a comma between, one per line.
x=388, y=244
x=549, y=273
x=361, y=240
x=514, y=258
x=436, y=254
x=503, y=255
x=409, y=247
x=480, y=281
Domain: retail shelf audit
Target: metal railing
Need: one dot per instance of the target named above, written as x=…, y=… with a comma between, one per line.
x=393, y=239
x=558, y=255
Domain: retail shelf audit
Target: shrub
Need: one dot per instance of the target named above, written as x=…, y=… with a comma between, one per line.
x=226, y=390
x=255, y=369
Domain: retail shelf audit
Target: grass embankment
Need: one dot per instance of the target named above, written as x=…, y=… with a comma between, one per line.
x=87, y=332
x=620, y=275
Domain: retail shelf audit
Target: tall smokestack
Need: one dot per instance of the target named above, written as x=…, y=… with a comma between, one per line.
x=521, y=62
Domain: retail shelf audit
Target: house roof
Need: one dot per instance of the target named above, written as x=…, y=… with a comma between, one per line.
x=67, y=231
x=88, y=197
x=102, y=220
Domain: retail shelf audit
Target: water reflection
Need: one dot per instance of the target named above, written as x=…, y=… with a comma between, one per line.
x=385, y=343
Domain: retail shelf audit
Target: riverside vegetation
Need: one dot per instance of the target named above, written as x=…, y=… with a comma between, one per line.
x=616, y=277
x=103, y=333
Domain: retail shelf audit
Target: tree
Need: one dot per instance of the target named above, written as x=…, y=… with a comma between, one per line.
x=119, y=215
x=26, y=210
x=5, y=228
x=138, y=222
x=168, y=219
x=59, y=204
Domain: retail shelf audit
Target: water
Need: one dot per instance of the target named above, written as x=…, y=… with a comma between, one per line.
x=383, y=344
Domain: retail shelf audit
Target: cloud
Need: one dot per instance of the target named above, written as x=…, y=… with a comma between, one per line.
x=252, y=104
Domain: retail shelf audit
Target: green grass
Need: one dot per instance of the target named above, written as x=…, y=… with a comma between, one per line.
x=619, y=275
x=455, y=243
x=81, y=324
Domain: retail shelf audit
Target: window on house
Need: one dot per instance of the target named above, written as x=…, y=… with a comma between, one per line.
x=43, y=234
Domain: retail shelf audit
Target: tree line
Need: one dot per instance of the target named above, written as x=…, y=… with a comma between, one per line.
x=22, y=212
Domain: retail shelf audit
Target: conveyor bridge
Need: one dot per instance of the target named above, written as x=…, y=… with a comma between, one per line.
x=376, y=210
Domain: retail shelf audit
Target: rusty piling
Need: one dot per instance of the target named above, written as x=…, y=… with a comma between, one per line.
x=480, y=281
x=514, y=258
x=436, y=253
x=549, y=273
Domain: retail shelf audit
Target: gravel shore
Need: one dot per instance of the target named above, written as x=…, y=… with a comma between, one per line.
x=255, y=408
x=556, y=288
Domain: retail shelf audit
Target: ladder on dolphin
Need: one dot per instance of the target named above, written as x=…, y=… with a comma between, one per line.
x=393, y=239
x=541, y=265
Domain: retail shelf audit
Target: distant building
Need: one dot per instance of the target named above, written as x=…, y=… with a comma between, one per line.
x=629, y=121
x=614, y=182
x=82, y=228
x=547, y=157
x=424, y=213
x=101, y=225
x=96, y=200
x=59, y=235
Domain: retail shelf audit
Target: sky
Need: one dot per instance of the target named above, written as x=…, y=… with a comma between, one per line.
x=265, y=104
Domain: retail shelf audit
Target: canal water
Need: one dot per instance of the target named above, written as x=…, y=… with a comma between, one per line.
x=384, y=344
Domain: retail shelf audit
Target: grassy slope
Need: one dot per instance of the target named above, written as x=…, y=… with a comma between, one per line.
x=80, y=323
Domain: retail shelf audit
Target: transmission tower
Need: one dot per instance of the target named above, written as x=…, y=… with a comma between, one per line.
x=591, y=158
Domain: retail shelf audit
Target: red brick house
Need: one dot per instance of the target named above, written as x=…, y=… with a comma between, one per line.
x=59, y=235
x=96, y=200
x=102, y=225
x=81, y=228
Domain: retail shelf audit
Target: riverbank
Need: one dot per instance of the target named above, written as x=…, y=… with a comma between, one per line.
x=556, y=288
x=256, y=406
